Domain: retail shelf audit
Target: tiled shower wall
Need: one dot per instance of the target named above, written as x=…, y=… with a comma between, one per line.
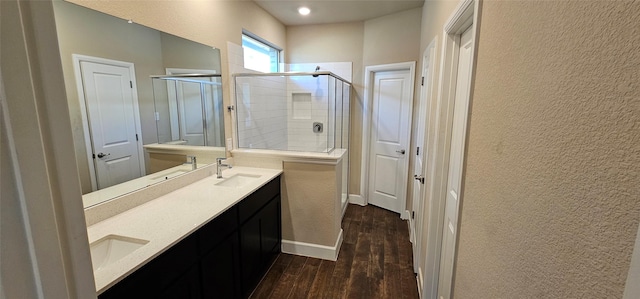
x=261, y=111
x=269, y=116
x=323, y=91
x=303, y=114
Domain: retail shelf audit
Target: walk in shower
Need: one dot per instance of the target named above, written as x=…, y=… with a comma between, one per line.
x=306, y=112
x=189, y=109
x=302, y=112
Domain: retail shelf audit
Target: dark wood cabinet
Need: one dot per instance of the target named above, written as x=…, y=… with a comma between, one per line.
x=260, y=234
x=221, y=270
x=186, y=287
x=225, y=258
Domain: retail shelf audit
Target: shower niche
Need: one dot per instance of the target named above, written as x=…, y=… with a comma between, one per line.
x=303, y=112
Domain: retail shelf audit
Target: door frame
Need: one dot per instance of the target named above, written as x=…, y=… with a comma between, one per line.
x=77, y=59
x=427, y=96
x=366, y=124
x=465, y=15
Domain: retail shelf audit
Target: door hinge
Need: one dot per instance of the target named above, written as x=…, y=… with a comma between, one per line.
x=418, y=151
x=136, y=137
x=131, y=83
x=413, y=215
x=422, y=83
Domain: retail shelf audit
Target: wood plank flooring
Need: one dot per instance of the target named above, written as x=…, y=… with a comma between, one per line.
x=375, y=261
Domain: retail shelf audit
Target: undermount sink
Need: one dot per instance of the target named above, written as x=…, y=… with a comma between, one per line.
x=238, y=180
x=112, y=248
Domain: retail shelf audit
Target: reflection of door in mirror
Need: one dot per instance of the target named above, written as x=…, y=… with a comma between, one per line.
x=195, y=114
x=111, y=120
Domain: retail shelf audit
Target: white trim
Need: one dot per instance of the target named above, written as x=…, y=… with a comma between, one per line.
x=357, y=200
x=465, y=15
x=344, y=204
x=77, y=59
x=412, y=234
x=420, y=281
x=19, y=187
x=632, y=287
x=173, y=71
x=405, y=214
x=366, y=118
x=427, y=97
x=313, y=250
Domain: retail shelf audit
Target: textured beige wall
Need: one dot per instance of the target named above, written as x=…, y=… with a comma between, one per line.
x=335, y=43
x=311, y=203
x=392, y=38
x=551, y=201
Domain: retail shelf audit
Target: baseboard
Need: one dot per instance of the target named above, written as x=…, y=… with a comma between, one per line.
x=420, y=281
x=344, y=208
x=412, y=231
x=405, y=215
x=357, y=199
x=313, y=250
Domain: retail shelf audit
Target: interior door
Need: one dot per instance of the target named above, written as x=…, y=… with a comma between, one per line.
x=456, y=158
x=108, y=93
x=420, y=166
x=391, y=117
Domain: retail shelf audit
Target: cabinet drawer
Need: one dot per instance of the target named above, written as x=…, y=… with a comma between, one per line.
x=217, y=230
x=258, y=199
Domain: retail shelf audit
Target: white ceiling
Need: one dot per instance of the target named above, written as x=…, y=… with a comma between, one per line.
x=334, y=11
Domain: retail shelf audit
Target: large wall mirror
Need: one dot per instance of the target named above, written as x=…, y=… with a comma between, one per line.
x=107, y=64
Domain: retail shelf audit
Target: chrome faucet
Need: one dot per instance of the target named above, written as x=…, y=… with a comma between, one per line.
x=192, y=161
x=219, y=165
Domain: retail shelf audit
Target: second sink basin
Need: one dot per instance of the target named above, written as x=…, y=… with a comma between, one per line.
x=237, y=180
x=112, y=248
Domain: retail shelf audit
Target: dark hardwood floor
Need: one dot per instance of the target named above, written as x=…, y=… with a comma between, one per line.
x=375, y=262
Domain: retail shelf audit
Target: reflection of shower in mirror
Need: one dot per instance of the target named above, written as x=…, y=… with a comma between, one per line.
x=189, y=109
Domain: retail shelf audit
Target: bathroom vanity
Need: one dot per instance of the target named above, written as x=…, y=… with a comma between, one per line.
x=215, y=238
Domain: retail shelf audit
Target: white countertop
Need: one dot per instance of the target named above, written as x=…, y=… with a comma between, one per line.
x=114, y=191
x=168, y=219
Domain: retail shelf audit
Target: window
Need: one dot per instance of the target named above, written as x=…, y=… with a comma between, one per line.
x=259, y=55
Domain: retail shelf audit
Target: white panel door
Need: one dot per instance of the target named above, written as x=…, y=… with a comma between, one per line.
x=390, y=116
x=456, y=158
x=421, y=150
x=112, y=121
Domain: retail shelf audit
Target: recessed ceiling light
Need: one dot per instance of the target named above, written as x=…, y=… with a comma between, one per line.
x=304, y=10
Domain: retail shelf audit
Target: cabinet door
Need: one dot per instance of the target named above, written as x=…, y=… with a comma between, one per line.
x=187, y=287
x=260, y=243
x=220, y=270
x=250, y=254
x=270, y=233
